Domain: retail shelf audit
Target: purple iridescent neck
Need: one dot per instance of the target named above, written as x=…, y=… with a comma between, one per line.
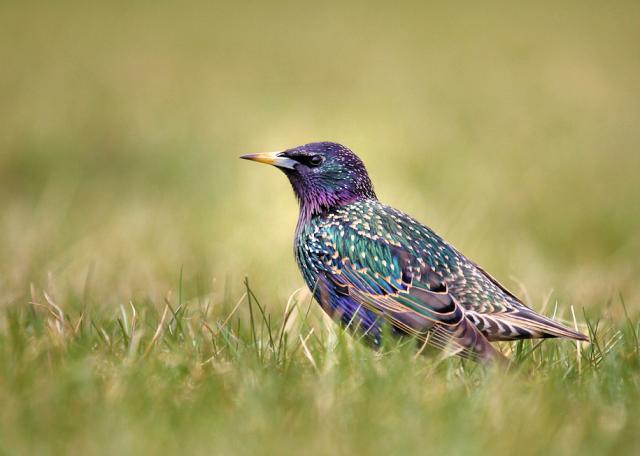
x=317, y=197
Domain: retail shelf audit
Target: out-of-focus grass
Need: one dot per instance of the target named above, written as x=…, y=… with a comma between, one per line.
x=511, y=130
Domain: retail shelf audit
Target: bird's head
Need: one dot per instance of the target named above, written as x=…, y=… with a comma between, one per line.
x=323, y=175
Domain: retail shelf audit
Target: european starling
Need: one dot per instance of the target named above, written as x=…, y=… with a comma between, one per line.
x=367, y=263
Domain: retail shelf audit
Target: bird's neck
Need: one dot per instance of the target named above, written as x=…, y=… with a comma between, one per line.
x=317, y=198
x=318, y=205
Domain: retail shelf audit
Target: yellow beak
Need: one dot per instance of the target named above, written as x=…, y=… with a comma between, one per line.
x=272, y=158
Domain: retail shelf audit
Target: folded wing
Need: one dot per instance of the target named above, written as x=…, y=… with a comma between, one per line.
x=399, y=287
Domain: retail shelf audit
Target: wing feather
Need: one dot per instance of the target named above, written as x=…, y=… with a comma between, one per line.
x=394, y=284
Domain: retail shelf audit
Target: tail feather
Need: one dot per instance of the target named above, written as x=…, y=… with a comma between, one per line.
x=524, y=323
x=546, y=326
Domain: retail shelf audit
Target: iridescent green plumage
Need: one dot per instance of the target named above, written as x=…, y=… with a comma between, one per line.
x=368, y=263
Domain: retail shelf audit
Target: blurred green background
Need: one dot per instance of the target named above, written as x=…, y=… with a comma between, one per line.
x=510, y=129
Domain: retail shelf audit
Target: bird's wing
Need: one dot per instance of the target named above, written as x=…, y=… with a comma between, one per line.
x=497, y=312
x=396, y=285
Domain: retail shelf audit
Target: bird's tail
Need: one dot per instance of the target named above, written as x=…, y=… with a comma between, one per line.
x=539, y=326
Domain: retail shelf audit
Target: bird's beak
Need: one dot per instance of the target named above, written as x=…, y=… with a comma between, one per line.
x=272, y=158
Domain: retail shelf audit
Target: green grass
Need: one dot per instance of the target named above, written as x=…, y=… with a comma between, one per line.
x=512, y=130
x=204, y=375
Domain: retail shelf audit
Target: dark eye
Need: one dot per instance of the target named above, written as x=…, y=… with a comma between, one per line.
x=315, y=160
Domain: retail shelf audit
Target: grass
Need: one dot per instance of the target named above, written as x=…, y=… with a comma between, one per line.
x=128, y=224
x=207, y=376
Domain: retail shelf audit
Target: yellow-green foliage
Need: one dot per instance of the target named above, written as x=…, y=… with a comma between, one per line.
x=128, y=224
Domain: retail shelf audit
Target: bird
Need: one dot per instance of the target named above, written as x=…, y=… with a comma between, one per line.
x=371, y=266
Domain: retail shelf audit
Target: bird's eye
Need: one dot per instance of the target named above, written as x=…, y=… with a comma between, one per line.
x=315, y=160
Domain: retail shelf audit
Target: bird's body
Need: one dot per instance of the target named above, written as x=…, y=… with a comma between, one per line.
x=367, y=263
